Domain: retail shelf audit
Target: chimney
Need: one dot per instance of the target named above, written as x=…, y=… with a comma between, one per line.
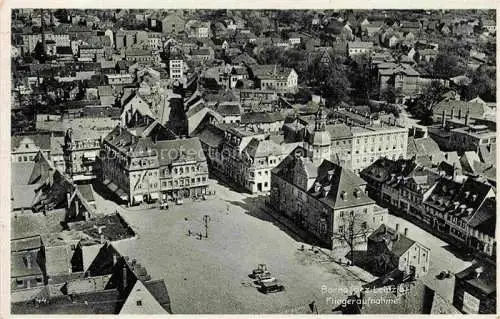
x=103, y=240
x=317, y=187
x=443, y=120
x=406, y=232
x=454, y=173
x=115, y=259
x=28, y=261
x=479, y=271
x=68, y=199
x=124, y=277
x=474, y=197
x=330, y=175
x=467, y=118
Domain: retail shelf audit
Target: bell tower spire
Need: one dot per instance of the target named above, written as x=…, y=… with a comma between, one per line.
x=320, y=120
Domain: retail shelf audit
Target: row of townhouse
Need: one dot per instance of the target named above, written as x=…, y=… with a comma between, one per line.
x=244, y=157
x=140, y=164
x=461, y=208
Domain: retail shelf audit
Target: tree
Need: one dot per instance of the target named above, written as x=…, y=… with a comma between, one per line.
x=336, y=88
x=422, y=107
x=448, y=66
x=352, y=230
x=389, y=94
x=483, y=84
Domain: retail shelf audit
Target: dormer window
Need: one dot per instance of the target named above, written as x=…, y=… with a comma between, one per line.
x=343, y=195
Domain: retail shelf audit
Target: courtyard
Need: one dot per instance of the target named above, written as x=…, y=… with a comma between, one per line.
x=210, y=275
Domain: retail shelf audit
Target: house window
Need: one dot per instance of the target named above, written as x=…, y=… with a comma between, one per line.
x=19, y=282
x=139, y=303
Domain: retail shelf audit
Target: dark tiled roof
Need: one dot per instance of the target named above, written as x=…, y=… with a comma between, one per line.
x=229, y=108
x=344, y=187
x=41, y=140
x=382, y=169
x=25, y=225
x=261, y=117
x=158, y=289
x=400, y=243
x=338, y=131
x=259, y=148
x=26, y=243
x=188, y=148
x=212, y=136
x=443, y=193
x=484, y=219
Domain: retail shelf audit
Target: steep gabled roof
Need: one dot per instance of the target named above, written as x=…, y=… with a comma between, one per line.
x=262, y=148
x=141, y=301
x=338, y=187
x=400, y=243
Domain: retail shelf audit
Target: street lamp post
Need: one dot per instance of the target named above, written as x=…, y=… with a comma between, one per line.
x=206, y=219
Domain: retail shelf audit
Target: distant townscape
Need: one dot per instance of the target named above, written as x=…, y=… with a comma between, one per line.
x=253, y=161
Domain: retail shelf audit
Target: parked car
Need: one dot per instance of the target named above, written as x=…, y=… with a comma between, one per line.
x=444, y=274
x=264, y=276
x=179, y=201
x=261, y=269
x=271, y=286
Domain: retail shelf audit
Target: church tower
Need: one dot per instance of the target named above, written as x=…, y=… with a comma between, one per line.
x=320, y=140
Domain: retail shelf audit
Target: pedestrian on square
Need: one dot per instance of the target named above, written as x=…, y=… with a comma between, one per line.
x=189, y=232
